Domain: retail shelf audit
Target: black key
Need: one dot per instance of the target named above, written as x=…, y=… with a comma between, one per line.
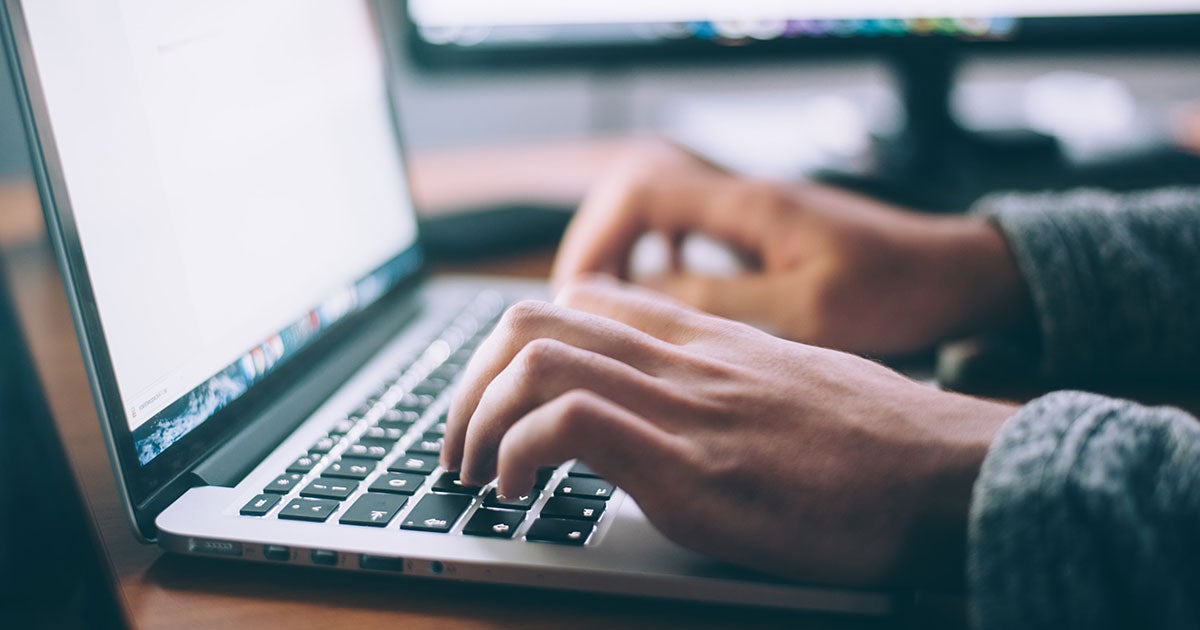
x=399, y=419
x=350, y=468
x=370, y=441
x=576, y=509
x=373, y=510
x=377, y=396
x=414, y=402
x=304, y=464
x=284, y=483
x=397, y=483
x=316, y=510
x=414, y=463
x=343, y=426
x=324, y=445
x=449, y=483
x=543, y=477
x=494, y=523
x=324, y=488
x=513, y=503
x=585, y=488
x=580, y=469
x=260, y=505
x=554, y=530
x=436, y=512
x=462, y=356
x=446, y=371
x=367, y=451
x=383, y=435
x=431, y=386
x=426, y=446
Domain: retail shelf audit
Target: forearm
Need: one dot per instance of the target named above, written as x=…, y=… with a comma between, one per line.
x=1085, y=515
x=1114, y=279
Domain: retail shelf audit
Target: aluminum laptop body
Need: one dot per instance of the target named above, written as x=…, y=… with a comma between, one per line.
x=185, y=151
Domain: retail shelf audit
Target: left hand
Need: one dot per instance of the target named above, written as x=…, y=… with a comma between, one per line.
x=823, y=266
x=800, y=461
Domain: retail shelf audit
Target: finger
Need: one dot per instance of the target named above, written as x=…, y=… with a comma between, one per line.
x=544, y=370
x=522, y=324
x=612, y=218
x=622, y=447
x=746, y=297
x=675, y=241
x=651, y=312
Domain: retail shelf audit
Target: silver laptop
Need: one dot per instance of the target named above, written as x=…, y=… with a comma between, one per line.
x=225, y=189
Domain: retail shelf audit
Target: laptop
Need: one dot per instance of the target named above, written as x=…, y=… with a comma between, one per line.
x=224, y=185
x=53, y=572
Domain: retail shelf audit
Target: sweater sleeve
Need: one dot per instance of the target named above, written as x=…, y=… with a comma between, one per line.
x=1086, y=514
x=1114, y=278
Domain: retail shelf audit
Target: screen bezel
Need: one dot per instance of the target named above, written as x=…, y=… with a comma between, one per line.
x=141, y=486
x=1142, y=32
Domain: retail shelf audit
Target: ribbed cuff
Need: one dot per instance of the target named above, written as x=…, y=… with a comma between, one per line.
x=1112, y=278
x=1084, y=516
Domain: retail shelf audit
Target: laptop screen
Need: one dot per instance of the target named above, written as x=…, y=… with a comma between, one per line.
x=235, y=182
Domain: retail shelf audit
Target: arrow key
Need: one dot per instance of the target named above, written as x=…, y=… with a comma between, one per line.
x=373, y=510
x=437, y=512
x=494, y=523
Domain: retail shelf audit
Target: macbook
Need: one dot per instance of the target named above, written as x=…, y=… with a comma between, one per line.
x=225, y=188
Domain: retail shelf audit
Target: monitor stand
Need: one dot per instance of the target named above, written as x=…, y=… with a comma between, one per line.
x=934, y=163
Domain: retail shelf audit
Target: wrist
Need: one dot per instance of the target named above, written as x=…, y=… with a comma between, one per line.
x=976, y=271
x=964, y=428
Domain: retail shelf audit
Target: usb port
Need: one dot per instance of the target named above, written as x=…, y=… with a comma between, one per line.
x=324, y=557
x=380, y=563
x=278, y=553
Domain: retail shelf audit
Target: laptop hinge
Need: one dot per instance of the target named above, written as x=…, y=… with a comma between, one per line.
x=232, y=461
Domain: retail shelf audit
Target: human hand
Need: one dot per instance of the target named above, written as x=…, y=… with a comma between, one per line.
x=800, y=461
x=827, y=267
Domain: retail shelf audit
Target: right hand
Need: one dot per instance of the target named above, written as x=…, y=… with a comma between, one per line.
x=828, y=267
x=804, y=462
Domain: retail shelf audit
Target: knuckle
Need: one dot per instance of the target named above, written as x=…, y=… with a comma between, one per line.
x=578, y=403
x=577, y=291
x=576, y=410
x=525, y=316
x=540, y=358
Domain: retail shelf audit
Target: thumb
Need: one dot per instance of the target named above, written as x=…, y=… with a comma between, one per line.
x=752, y=298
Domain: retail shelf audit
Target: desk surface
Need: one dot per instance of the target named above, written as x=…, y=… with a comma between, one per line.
x=161, y=590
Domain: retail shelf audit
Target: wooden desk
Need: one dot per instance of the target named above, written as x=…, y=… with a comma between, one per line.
x=161, y=590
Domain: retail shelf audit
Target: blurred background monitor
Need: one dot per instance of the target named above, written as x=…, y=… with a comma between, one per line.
x=462, y=32
x=922, y=41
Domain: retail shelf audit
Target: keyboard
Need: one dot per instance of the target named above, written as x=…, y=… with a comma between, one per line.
x=377, y=467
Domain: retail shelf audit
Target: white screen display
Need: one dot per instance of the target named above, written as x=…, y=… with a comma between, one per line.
x=232, y=166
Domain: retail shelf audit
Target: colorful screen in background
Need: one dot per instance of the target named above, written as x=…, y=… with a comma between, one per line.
x=508, y=23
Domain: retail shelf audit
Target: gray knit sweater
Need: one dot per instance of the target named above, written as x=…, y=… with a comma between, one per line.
x=1086, y=513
